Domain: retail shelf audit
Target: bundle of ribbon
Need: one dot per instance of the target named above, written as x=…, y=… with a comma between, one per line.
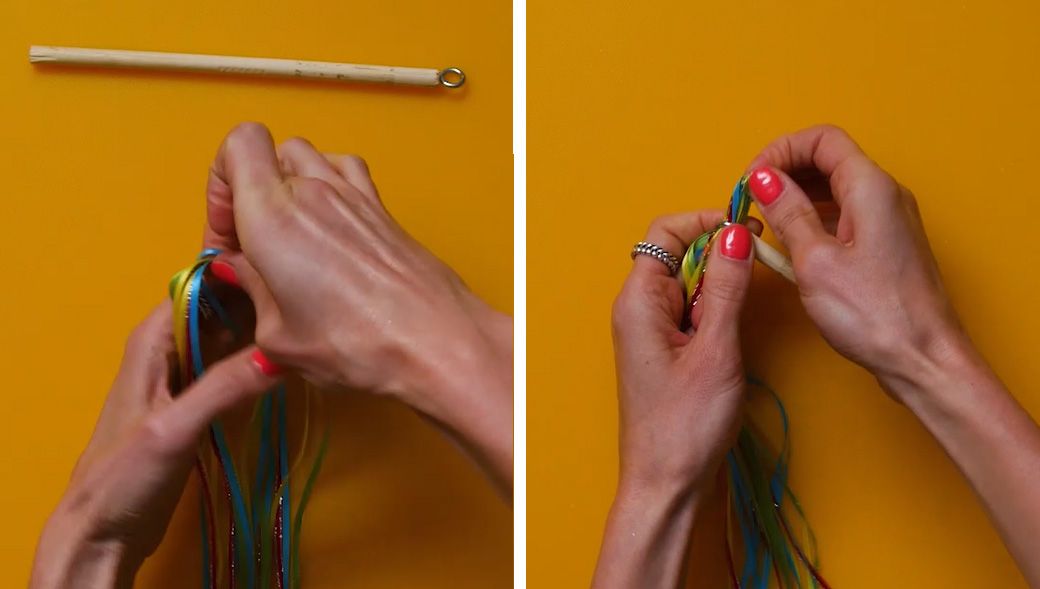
x=759, y=495
x=259, y=547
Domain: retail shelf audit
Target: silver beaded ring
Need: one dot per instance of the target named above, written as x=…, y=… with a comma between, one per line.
x=645, y=248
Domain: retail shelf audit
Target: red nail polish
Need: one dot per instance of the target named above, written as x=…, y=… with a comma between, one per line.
x=224, y=272
x=765, y=184
x=264, y=364
x=736, y=242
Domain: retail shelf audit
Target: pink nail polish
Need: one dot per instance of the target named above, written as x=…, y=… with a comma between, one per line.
x=224, y=272
x=735, y=242
x=765, y=185
x=265, y=365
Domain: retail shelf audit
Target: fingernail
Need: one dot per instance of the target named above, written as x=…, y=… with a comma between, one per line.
x=264, y=364
x=765, y=184
x=736, y=242
x=224, y=272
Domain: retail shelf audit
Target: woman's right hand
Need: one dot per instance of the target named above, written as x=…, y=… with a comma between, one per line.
x=872, y=286
x=347, y=298
x=865, y=271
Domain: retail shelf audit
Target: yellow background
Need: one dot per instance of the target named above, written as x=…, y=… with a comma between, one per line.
x=102, y=200
x=643, y=108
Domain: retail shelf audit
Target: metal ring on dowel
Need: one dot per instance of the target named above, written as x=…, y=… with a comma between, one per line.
x=452, y=77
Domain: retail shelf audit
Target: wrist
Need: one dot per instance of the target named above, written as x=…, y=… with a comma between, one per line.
x=470, y=363
x=464, y=383
x=662, y=472
x=70, y=555
x=924, y=373
x=646, y=508
x=642, y=492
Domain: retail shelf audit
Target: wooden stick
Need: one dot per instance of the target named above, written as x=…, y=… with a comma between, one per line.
x=769, y=256
x=255, y=66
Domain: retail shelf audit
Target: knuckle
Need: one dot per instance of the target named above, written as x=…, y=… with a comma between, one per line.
x=150, y=337
x=231, y=375
x=247, y=131
x=815, y=260
x=266, y=338
x=819, y=254
x=659, y=224
x=375, y=203
x=778, y=152
x=879, y=188
x=269, y=337
x=311, y=194
x=295, y=144
x=911, y=202
x=630, y=301
x=907, y=194
x=889, y=186
x=138, y=340
x=863, y=168
x=313, y=188
x=356, y=161
x=621, y=310
x=831, y=129
x=787, y=218
x=155, y=434
x=725, y=288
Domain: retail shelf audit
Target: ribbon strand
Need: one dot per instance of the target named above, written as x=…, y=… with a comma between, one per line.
x=261, y=537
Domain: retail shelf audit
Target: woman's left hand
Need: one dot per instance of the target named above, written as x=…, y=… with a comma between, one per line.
x=680, y=393
x=127, y=482
x=680, y=396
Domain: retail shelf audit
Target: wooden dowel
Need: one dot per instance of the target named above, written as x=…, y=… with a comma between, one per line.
x=769, y=256
x=256, y=66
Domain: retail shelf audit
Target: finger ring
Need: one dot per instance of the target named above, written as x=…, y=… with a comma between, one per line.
x=645, y=248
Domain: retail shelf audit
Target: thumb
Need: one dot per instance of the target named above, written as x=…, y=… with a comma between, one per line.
x=726, y=282
x=242, y=375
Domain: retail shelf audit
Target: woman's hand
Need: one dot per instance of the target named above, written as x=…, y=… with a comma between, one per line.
x=871, y=284
x=346, y=297
x=865, y=271
x=127, y=482
x=680, y=400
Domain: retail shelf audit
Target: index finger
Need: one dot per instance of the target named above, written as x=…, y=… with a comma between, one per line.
x=856, y=182
x=824, y=147
x=673, y=234
x=246, y=167
x=649, y=308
